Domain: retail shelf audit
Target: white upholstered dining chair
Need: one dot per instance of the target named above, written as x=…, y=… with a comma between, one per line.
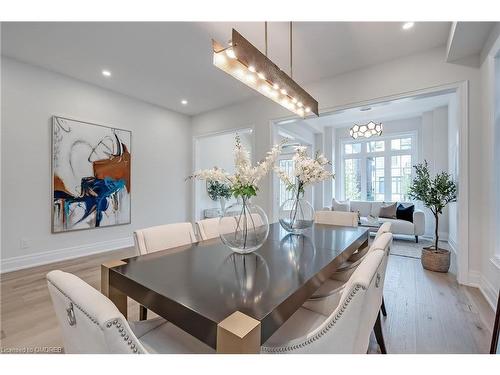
x=211, y=228
x=329, y=294
x=355, y=258
x=91, y=323
x=162, y=237
x=342, y=274
x=348, y=219
x=347, y=328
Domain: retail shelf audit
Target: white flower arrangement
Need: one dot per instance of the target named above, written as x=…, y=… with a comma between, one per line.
x=246, y=178
x=307, y=171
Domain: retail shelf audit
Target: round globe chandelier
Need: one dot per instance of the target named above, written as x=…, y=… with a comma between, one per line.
x=366, y=131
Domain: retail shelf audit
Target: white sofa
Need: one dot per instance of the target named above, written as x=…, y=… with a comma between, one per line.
x=366, y=208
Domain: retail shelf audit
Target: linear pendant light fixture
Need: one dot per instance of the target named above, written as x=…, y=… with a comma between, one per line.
x=246, y=63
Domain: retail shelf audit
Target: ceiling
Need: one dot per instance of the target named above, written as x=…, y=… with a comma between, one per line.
x=165, y=62
x=467, y=39
x=384, y=111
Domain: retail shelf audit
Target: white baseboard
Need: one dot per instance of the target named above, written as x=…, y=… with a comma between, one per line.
x=476, y=279
x=51, y=256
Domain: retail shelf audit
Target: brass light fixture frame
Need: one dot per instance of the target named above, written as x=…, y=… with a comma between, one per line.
x=257, y=71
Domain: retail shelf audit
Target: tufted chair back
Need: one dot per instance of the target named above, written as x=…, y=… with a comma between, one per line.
x=383, y=243
x=348, y=328
x=89, y=321
x=384, y=228
x=163, y=237
x=347, y=219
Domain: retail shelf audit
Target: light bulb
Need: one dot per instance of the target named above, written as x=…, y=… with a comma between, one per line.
x=294, y=100
x=261, y=76
x=230, y=53
x=300, y=104
x=301, y=112
x=251, y=68
x=250, y=78
x=239, y=72
x=275, y=86
x=283, y=91
x=308, y=109
x=220, y=59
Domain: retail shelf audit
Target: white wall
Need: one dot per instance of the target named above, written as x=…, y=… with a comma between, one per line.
x=434, y=149
x=424, y=70
x=488, y=277
x=161, y=159
x=211, y=151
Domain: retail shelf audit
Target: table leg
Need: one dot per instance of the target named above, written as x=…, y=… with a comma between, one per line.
x=365, y=244
x=238, y=334
x=117, y=297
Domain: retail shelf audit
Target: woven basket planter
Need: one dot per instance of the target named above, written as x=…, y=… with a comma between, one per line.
x=436, y=260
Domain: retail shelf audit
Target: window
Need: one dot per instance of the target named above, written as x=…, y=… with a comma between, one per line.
x=400, y=177
x=380, y=169
x=352, y=178
x=352, y=148
x=376, y=178
x=375, y=146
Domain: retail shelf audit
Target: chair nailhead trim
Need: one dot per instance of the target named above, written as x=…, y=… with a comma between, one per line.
x=94, y=320
x=126, y=336
x=330, y=325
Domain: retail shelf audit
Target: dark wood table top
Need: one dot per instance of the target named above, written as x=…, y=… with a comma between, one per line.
x=198, y=286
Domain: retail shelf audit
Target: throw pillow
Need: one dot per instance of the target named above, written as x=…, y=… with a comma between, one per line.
x=340, y=206
x=405, y=213
x=388, y=211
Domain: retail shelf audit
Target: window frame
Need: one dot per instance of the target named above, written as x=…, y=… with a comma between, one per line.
x=386, y=154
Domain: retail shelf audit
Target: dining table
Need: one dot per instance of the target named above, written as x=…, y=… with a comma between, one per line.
x=233, y=302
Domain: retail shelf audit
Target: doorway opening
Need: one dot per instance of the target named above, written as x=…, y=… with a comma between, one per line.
x=428, y=124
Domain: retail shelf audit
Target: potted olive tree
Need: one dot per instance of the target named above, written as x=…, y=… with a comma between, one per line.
x=435, y=193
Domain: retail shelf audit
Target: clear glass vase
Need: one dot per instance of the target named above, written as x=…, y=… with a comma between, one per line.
x=244, y=226
x=296, y=215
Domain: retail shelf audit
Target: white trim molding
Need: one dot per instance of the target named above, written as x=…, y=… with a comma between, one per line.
x=496, y=261
x=461, y=88
x=51, y=256
x=476, y=279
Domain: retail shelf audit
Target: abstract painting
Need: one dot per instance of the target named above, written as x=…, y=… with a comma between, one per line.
x=90, y=174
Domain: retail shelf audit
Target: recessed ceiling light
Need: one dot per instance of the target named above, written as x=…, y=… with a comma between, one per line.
x=408, y=25
x=184, y=102
x=106, y=73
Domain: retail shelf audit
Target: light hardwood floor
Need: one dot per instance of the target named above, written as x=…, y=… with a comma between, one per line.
x=427, y=312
